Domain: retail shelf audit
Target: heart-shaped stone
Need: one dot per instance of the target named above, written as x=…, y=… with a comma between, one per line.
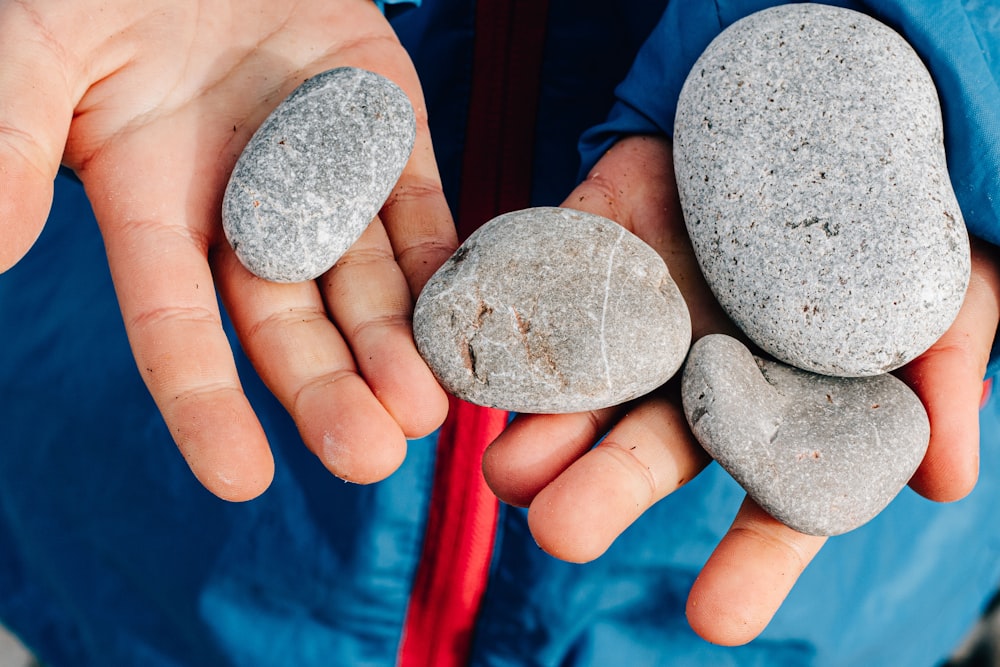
x=316, y=173
x=811, y=169
x=819, y=453
x=550, y=310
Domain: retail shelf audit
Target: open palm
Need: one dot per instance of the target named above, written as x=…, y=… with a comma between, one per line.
x=150, y=103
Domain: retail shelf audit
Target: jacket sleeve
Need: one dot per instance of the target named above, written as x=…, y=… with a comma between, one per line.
x=958, y=42
x=401, y=4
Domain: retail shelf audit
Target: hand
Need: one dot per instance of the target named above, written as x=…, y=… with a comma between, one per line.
x=151, y=102
x=581, y=497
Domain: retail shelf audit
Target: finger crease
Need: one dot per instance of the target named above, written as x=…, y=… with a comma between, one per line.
x=430, y=247
x=175, y=314
x=626, y=458
x=146, y=228
x=388, y=321
x=769, y=539
x=203, y=391
x=284, y=318
x=414, y=190
x=365, y=257
x=320, y=382
x=25, y=146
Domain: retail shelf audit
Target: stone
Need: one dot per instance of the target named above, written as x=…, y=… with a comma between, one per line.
x=821, y=454
x=811, y=170
x=316, y=173
x=551, y=310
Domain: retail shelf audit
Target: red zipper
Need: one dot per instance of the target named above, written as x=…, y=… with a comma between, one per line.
x=458, y=546
x=454, y=566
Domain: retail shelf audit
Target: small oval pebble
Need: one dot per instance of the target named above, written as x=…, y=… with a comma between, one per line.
x=316, y=173
x=810, y=164
x=550, y=310
x=821, y=454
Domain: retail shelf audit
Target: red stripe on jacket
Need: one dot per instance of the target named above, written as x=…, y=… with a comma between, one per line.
x=454, y=568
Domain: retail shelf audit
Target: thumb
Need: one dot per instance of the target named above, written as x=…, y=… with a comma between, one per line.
x=634, y=185
x=25, y=199
x=35, y=114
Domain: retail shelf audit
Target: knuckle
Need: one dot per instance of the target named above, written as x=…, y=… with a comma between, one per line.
x=601, y=192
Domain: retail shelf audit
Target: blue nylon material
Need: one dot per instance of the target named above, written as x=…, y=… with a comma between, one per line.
x=401, y=4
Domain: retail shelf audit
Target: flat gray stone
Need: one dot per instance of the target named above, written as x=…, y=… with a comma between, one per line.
x=810, y=164
x=550, y=310
x=316, y=173
x=820, y=454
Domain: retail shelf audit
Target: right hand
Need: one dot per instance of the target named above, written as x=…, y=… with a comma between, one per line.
x=586, y=477
x=150, y=102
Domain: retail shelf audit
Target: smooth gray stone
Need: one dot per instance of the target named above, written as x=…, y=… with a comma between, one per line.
x=821, y=454
x=550, y=310
x=811, y=169
x=316, y=173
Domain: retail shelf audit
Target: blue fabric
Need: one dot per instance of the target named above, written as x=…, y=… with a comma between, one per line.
x=399, y=4
x=112, y=554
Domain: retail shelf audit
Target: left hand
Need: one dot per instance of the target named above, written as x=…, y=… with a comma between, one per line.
x=581, y=497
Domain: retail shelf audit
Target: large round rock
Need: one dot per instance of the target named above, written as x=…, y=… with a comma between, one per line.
x=811, y=169
x=551, y=310
x=316, y=172
x=821, y=454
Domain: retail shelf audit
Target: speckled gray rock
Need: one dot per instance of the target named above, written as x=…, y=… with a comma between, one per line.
x=316, y=172
x=821, y=454
x=550, y=310
x=809, y=159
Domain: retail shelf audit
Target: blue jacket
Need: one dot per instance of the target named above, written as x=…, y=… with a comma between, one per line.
x=111, y=553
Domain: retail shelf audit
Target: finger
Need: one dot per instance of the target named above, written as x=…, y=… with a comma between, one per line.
x=535, y=449
x=949, y=380
x=300, y=355
x=369, y=299
x=748, y=576
x=416, y=215
x=649, y=454
x=36, y=108
x=633, y=184
x=419, y=223
x=168, y=304
x=157, y=232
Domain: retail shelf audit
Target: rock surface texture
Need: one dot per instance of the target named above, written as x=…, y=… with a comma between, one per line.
x=810, y=163
x=550, y=310
x=316, y=173
x=821, y=454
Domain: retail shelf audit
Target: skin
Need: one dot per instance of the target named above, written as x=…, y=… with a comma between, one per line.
x=581, y=497
x=151, y=101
